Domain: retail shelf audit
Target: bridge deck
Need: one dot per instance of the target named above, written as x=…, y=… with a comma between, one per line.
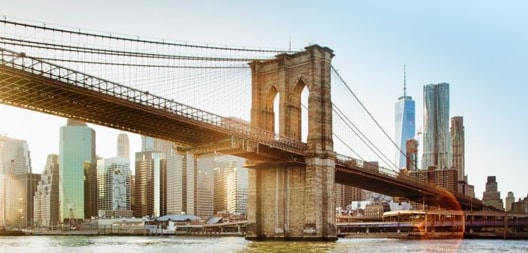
x=37, y=85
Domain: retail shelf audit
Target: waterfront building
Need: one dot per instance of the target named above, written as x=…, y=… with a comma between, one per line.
x=404, y=125
x=491, y=197
x=150, y=184
x=237, y=188
x=346, y=194
x=510, y=199
x=176, y=173
x=220, y=192
x=520, y=206
x=204, y=187
x=436, y=136
x=230, y=184
x=446, y=178
x=46, y=199
x=114, y=179
x=17, y=183
x=77, y=172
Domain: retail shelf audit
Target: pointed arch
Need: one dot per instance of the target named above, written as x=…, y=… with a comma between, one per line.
x=299, y=104
x=272, y=105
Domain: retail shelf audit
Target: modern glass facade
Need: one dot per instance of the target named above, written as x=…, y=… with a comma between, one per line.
x=436, y=135
x=78, y=175
x=405, y=127
x=15, y=167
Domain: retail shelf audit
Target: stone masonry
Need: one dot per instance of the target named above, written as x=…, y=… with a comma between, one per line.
x=294, y=202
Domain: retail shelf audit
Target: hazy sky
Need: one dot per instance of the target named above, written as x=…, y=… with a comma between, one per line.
x=479, y=47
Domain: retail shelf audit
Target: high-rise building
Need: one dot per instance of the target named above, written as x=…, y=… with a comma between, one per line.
x=231, y=181
x=15, y=182
x=510, y=199
x=177, y=184
x=404, y=124
x=123, y=146
x=114, y=179
x=220, y=190
x=345, y=194
x=436, y=136
x=457, y=139
x=412, y=154
x=204, y=187
x=491, y=196
x=150, y=192
x=520, y=206
x=77, y=172
x=14, y=156
x=46, y=199
x=458, y=153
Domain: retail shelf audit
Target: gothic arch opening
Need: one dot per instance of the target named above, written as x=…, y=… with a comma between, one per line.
x=301, y=94
x=273, y=108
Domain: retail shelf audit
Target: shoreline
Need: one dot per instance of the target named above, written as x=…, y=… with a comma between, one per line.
x=388, y=235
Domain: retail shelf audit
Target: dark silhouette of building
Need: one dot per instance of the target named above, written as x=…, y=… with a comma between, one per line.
x=491, y=196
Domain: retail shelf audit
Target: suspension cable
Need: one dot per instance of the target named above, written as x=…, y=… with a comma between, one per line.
x=367, y=111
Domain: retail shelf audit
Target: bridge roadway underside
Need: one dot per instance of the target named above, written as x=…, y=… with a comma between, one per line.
x=399, y=188
x=42, y=94
x=34, y=92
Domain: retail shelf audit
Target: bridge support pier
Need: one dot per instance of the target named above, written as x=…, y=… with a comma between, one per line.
x=294, y=202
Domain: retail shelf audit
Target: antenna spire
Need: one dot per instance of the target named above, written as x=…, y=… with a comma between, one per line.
x=404, y=83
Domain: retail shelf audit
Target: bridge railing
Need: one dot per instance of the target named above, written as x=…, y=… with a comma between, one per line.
x=209, y=120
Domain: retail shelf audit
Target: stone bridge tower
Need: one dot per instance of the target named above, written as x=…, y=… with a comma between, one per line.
x=294, y=202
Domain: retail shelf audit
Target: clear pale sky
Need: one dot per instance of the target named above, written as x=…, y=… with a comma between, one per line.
x=479, y=47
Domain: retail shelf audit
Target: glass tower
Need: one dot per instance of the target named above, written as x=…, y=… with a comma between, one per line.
x=404, y=125
x=436, y=135
x=77, y=172
x=15, y=166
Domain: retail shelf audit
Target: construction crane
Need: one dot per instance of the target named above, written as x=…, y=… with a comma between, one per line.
x=73, y=223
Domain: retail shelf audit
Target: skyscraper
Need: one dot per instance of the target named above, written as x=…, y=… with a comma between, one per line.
x=404, y=124
x=46, y=199
x=150, y=184
x=123, y=146
x=204, y=187
x=457, y=138
x=177, y=180
x=16, y=190
x=510, y=199
x=230, y=184
x=436, y=136
x=114, y=179
x=491, y=196
x=458, y=152
x=77, y=170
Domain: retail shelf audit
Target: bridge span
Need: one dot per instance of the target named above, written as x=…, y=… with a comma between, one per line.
x=34, y=84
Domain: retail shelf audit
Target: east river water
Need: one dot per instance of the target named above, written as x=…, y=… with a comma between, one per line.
x=125, y=244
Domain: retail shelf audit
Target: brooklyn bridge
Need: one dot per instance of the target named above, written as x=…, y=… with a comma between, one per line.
x=128, y=84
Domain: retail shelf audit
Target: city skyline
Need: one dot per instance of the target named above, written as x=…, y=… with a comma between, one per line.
x=478, y=48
